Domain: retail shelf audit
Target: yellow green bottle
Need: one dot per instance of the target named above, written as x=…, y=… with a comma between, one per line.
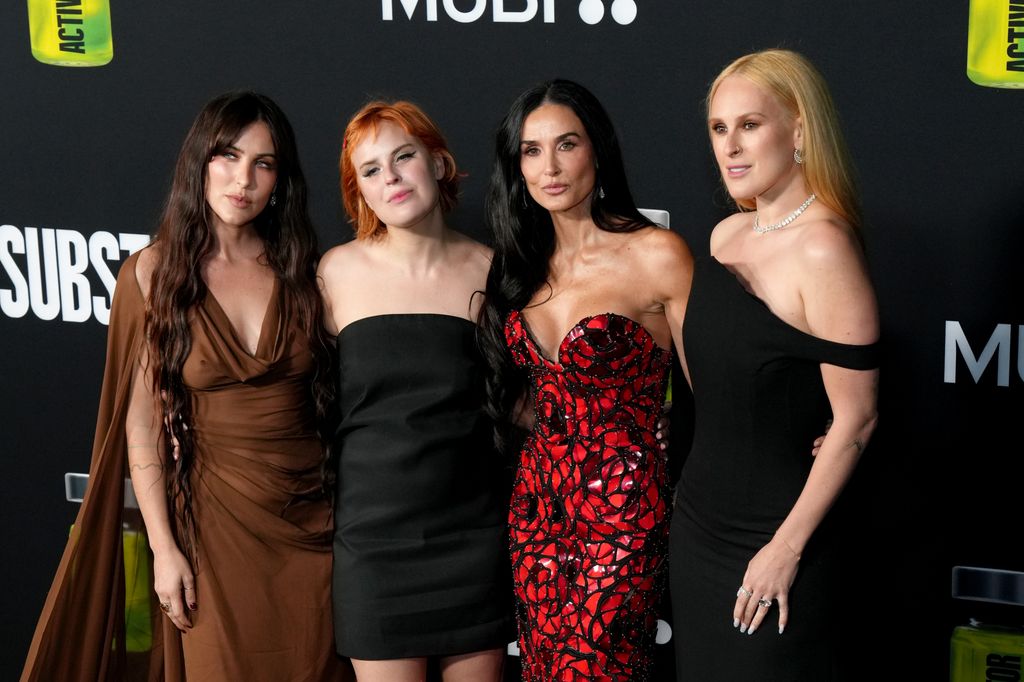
x=138, y=588
x=981, y=652
x=994, y=649
x=71, y=32
x=995, y=43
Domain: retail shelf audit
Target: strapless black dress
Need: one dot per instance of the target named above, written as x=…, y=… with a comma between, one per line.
x=420, y=560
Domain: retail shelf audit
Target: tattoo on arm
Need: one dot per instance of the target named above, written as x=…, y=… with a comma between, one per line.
x=142, y=467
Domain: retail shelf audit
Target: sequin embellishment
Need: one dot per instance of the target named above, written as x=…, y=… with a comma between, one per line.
x=590, y=507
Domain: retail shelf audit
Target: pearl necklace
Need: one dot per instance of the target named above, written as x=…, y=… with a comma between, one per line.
x=785, y=221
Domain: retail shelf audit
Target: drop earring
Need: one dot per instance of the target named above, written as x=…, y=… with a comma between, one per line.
x=273, y=198
x=798, y=157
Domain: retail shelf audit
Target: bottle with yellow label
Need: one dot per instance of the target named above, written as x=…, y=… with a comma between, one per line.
x=71, y=32
x=995, y=43
x=993, y=648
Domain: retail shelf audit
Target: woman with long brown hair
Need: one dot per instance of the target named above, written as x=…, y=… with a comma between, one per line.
x=216, y=382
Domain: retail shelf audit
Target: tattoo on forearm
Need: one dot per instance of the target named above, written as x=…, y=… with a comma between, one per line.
x=142, y=467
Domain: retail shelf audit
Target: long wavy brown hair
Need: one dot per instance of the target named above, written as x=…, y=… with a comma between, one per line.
x=185, y=240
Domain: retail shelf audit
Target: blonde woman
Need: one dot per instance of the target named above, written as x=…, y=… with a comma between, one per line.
x=779, y=337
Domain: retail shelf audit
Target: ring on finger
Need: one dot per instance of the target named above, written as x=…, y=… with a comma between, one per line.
x=187, y=588
x=743, y=592
x=764, y=603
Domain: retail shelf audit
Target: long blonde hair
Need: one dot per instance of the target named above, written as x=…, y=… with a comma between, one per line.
x=802, y=91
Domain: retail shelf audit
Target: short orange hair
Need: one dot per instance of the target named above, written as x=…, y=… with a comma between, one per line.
x=413, y=121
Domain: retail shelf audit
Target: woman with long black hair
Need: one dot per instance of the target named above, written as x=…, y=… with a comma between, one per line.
x=585, y=301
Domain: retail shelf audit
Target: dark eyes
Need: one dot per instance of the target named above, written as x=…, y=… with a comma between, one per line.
x=563, y=146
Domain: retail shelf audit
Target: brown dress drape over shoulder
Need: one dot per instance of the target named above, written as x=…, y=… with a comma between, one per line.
x=264, y=558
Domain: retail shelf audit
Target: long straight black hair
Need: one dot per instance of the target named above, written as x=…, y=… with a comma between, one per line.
x=524, y=236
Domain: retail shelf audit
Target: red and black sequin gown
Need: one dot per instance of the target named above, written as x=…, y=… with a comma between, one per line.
x=590, y=507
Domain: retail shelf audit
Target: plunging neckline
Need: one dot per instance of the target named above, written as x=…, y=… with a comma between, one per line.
x=576, y=331
x=261, y=338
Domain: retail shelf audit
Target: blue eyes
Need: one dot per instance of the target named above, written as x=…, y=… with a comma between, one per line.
x=399, y=158
x=230, y=155
x=721, y=129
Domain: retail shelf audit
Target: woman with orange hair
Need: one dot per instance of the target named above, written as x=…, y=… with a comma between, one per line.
x=421, y=568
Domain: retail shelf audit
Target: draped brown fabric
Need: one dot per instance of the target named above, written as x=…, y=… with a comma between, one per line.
x=264, y=558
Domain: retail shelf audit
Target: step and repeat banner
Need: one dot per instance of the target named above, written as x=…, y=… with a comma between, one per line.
x=95, y=99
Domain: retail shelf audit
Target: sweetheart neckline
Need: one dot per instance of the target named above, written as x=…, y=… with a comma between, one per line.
x=568, y=336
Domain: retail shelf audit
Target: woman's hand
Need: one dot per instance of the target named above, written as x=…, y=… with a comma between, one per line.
x=820, y=440
x=664, y=427
x=175, y=586
x=766, y=582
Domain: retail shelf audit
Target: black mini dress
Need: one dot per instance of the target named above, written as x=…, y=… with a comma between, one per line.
x=421, y=564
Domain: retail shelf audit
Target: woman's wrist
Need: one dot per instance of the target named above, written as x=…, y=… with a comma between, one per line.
x=789, y=545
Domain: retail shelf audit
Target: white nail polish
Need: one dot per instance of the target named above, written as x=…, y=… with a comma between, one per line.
x=781, y=629
x=751, y=631
x=735, y=622
x=743, y=629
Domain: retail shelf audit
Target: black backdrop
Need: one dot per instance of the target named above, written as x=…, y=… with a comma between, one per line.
x=90, y=151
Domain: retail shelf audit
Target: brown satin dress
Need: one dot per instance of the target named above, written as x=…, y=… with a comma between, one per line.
x=264, y=560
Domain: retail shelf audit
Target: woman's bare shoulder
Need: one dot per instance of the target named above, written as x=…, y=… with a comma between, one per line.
x=660, y=246
x=728, y=228
x=342, y=261
x=145, y=266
